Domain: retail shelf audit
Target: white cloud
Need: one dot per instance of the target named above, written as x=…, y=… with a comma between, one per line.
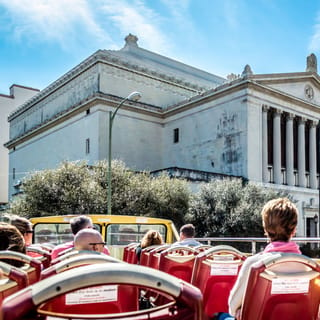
x=72, y=22
x=136, y=18
x=314, y=44
x=231, y=13
x=63, y=21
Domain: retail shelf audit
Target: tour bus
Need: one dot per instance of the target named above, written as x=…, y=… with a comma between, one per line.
x=116, y=230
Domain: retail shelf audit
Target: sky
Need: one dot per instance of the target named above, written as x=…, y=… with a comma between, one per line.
x=41, y=40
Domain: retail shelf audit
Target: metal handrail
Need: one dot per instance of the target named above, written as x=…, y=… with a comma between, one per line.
x=254, y=240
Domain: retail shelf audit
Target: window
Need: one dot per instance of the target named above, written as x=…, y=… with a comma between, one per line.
x=123, y=234
x=13, y=173
x=176, y=135
x=87, y=146
x=87, y=111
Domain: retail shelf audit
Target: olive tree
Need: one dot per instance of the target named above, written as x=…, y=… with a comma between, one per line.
x=229, y=207
x=76, y=188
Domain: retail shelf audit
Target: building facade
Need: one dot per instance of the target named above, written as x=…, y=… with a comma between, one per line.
x=263, y=127
x=8, y=103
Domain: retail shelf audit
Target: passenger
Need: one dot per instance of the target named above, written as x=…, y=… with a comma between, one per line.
x=76, y=224
x=11, y=239
x=279, y=219
x=151, y=238
x=89, y=239
x=24, y=226
x=187, y=233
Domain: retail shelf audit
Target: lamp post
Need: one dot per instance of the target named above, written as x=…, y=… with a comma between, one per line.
x=135, y=96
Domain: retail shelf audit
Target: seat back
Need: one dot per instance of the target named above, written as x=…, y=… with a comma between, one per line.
x=40, y=254
x=145, y=255
x=215, y=272
x=132, y=256
x=77, y=261
x=202, y=247
x=154, y=255
x=95, y=300
x=14, y=280
x=127, y=251
x=32, y=265
x=178, y=261
x=105, y=292
x=282, y=286
x=65, y=256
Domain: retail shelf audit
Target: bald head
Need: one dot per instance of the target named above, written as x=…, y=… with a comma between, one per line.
x=88, y=239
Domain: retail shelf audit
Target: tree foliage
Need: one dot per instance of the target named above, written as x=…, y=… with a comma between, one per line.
x=76, y=188
x=229, y=208
x=221, y=208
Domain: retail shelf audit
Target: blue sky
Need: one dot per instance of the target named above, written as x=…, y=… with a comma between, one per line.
x=40, y=40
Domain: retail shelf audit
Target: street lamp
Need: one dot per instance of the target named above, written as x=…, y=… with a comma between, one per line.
x=135, y=96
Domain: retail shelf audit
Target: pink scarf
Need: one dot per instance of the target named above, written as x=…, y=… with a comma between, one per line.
x=281, y=246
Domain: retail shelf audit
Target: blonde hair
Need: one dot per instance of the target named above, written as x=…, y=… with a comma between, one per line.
x=279, y=218
x=151, y=238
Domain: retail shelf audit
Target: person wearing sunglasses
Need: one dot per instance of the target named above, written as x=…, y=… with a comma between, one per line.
x=89, y=240
x=24, y=226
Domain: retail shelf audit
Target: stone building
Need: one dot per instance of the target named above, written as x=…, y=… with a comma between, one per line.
x=262, y=127
x=18, y=95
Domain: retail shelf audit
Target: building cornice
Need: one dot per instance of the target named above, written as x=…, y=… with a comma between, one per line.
x=205, y=97
x=285, y=96
x=284, y=77
x=106, y=57
x=97, y=98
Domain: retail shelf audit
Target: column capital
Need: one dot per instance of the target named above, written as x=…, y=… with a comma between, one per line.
x=302, y=120
x=313, y=123
x=265, y=108
x=277, y=112
x=290, y=116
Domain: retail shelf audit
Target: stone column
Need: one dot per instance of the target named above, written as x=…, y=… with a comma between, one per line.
x=313, y=155
x=289, y=150
x=277, y=178
x=301, y=153
x=265, y=173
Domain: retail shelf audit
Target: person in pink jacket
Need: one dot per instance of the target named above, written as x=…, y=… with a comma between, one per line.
x=279, y=219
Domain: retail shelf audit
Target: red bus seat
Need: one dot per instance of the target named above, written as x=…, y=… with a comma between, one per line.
x=215, y=272
x=32, y=266
x=154, y=255
x=67, y=255
x=76, y=261
x=282, y=286
x=145, y=254
x=40, y=254
x=127, y=251
x=132, y=256
x=14, y=280
x=202, y=247
x=178, y=261
x=65, y=295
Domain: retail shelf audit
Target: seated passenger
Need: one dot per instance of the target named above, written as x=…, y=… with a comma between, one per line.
x=11, y=239
x=151, y=238
x=187, y=233
x=89, y=239
x=76, y=224
x=24, y=226
x=279, y=219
